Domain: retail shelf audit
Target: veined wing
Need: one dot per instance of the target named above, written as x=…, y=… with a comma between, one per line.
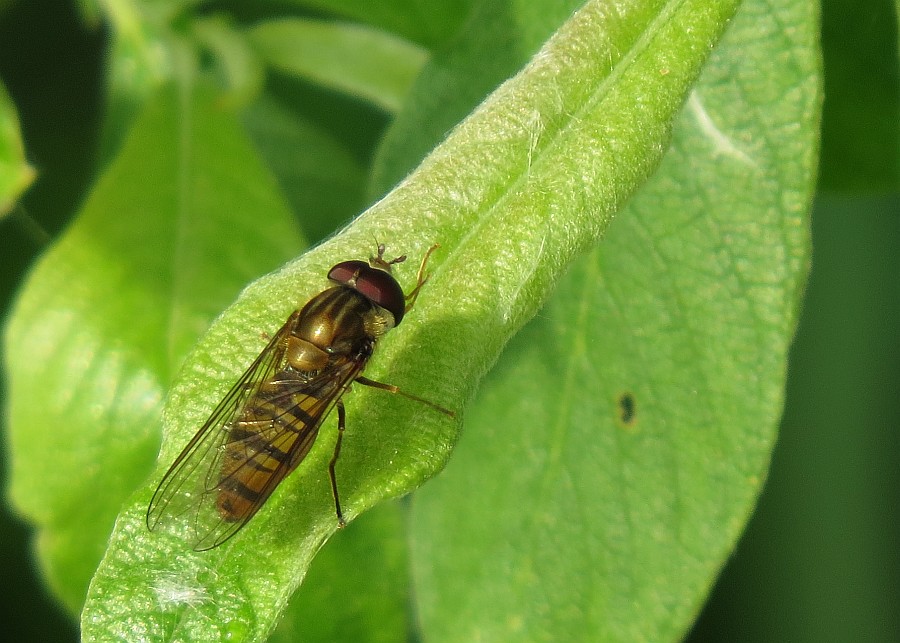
x=183, y=489
x=260, y=453
x=258, y=434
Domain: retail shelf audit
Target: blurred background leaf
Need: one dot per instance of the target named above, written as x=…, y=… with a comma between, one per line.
x=861, y=134
x=15, y=173
x=425, y=22
x=357, y=60
x=816, y=564
x=115, y=305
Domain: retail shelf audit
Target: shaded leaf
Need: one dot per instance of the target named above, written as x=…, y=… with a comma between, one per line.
x=15, y=173
x=320, y=177
x=423, y=21
x=618, y=448
x=139, y=61
x=358, y=586
x=239, y=69
x=359, y=60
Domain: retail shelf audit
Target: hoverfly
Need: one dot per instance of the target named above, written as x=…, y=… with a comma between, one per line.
x=267, y=423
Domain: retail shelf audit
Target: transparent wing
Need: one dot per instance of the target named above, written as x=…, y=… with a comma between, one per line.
x=228, y=452
x=260, y=458
x=183, y=488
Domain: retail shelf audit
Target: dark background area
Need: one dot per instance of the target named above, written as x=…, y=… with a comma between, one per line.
x=820, y=558
x=52, y=67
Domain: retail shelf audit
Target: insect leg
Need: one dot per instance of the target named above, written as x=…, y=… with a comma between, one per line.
x=334, y=459
x=390, y=388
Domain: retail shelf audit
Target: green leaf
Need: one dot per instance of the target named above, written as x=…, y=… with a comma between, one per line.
x=138, y=63
x=618, y=448
x=426, y=22
x=320, y=177
x=15, y=173
x=498, y=41
x=240, y=69
x=165, y=240
x=513, y=194
x=361, y=61
x=358, y=586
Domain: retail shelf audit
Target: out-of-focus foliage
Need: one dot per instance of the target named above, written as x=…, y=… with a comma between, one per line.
x=819, y=560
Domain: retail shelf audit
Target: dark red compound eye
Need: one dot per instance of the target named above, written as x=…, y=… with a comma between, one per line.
x=346, y=271
x=377, y=285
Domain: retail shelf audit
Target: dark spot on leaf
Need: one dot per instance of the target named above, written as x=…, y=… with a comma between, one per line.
x=627, y=408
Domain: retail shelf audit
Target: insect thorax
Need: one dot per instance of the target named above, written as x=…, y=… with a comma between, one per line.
x=342, y=321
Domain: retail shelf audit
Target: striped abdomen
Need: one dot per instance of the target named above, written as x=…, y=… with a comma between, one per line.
x=331, y=340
